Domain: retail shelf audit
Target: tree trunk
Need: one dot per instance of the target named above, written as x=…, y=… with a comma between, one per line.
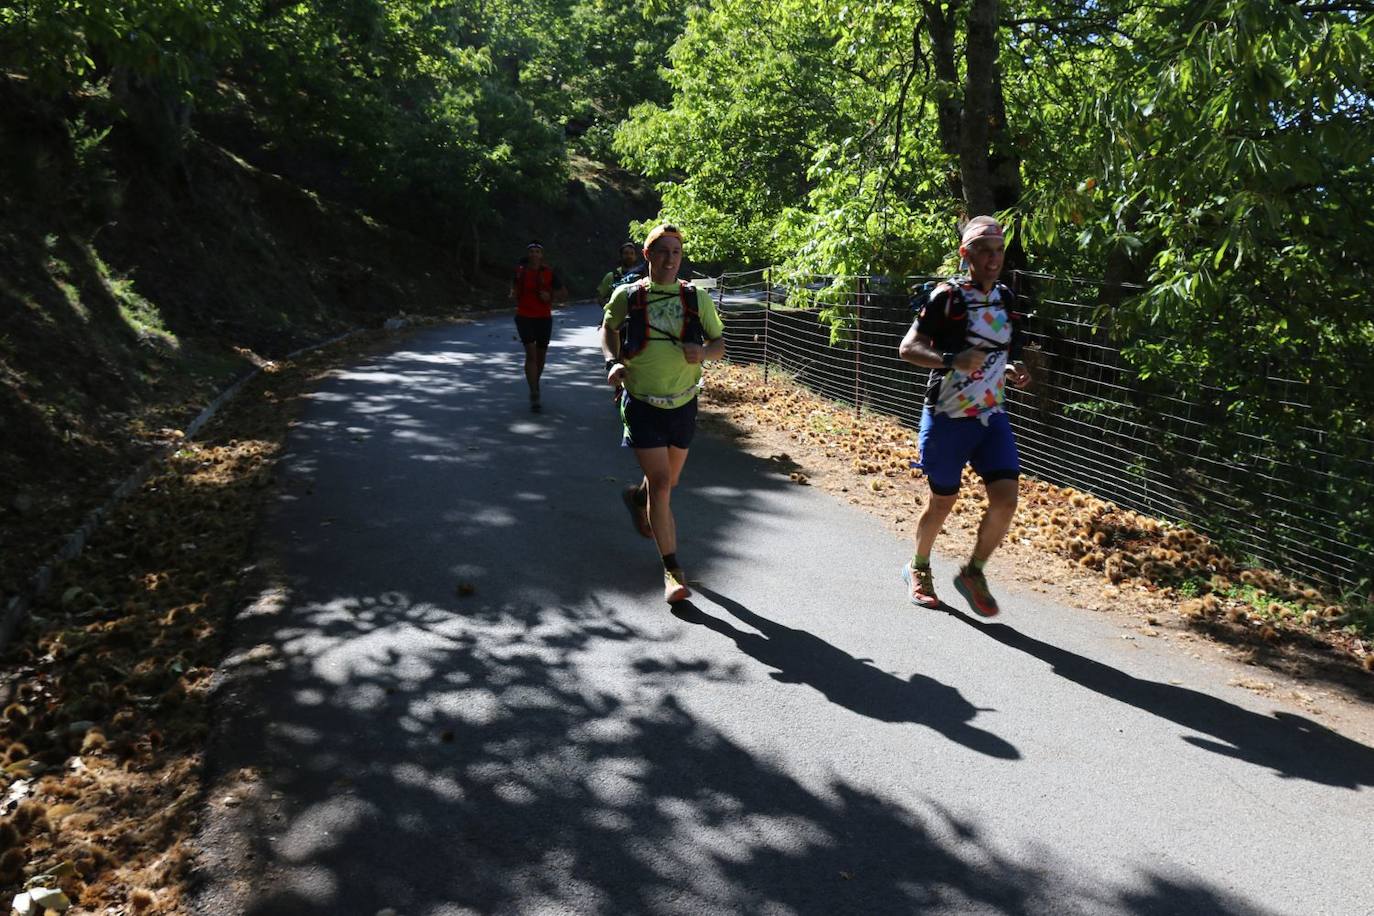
x=948, y=105
x=975, y=126
x=972, y=123
x=1004, y=167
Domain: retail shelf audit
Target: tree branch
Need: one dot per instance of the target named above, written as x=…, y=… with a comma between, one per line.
x=895, y=157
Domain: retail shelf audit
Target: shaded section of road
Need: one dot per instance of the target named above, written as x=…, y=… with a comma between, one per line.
x=460, y=693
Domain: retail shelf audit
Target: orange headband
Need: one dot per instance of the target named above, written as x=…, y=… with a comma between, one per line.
x=659, y=232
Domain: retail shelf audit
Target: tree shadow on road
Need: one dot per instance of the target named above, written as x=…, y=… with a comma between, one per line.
x=855, y=684
x=446, y=772
x=1292, y=746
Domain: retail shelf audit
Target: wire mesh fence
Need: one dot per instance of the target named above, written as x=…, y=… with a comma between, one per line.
x=1299, y=498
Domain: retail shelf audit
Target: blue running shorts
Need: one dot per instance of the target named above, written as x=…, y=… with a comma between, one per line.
x=948, y=443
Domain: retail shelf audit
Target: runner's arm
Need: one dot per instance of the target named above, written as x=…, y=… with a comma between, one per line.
x=919, y=350
x=610, y=349
x=713, y=328
x=612, y=317
x=699, y=353
x=1020, y=374
x=610, y=341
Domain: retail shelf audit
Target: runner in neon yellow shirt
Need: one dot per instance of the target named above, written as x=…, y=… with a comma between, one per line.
x=669, y=330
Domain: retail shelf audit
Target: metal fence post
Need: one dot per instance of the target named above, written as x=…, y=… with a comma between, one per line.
x=767, y=311
x=858, y=339
x=720, y=302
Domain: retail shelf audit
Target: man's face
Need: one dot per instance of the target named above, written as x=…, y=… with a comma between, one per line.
x=665, y=257
x=629, y=256
x=535, y=254
x=984, y=259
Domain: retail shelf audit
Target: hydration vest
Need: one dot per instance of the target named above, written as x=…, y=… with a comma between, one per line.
x=952, y=329
x=952, y=335
x=636, y=332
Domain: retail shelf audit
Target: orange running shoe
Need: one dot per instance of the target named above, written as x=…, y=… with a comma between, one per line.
x=973, y=585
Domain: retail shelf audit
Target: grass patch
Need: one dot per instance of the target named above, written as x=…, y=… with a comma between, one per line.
x=140, y=314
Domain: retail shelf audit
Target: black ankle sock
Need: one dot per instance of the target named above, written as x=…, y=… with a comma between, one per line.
x=670, y=561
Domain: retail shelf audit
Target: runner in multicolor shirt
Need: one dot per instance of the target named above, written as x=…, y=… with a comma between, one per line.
x=967, y=333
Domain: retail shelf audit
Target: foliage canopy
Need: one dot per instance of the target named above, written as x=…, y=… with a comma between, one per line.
x=447, y=102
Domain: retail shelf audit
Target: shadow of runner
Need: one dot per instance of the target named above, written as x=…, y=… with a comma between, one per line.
x=1292, y=746
x=802, y=658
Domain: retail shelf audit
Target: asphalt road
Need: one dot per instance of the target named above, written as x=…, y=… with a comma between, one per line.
x=797, y=739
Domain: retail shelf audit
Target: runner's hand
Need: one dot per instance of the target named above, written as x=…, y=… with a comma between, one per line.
x=693, y=353
x=1020, y=375
x=545, y=295
x=616, y=377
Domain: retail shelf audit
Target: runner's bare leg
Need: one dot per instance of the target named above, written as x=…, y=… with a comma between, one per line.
x=662, y=469
x=1002, y=496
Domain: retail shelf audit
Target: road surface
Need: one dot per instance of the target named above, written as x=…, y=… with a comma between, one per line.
x=797, y=739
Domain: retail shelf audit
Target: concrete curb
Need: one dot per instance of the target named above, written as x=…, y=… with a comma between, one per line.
x=18, y=607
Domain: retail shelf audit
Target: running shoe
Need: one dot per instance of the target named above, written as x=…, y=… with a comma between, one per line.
x=973, y=585
x=675, y=586
x=639, y=515
x=920, y=586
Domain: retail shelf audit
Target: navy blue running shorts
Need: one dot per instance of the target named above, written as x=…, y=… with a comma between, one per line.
x=647, y=426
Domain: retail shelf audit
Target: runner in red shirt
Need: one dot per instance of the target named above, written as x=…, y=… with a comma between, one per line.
x=535, y=288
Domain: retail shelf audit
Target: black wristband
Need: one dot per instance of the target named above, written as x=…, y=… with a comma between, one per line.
x=948, y=359
x=611, y=363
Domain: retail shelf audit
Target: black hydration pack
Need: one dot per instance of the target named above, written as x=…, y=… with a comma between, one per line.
x=950, y=332
x=620, y=274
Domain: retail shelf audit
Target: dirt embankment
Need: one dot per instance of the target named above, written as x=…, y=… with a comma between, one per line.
x=133, y=290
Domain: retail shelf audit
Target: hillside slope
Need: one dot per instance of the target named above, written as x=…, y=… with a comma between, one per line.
x=132, y=290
